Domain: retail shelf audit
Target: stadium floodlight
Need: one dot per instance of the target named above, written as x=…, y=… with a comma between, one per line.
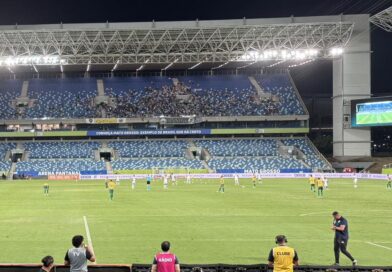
x=336, y=51
x=35, y=69
x=284, y=54
x=194, y=66
x=220, y=66
x=88, y=66
x=116, y=65
x=302, y=63
x=31, y=60
x=170, y=65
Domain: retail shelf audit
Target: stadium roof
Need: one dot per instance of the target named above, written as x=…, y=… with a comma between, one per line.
x=171, y=45
x=383, y=19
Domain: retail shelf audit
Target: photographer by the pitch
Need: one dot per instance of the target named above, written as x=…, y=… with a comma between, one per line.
x=282, y=257
x=77, y=256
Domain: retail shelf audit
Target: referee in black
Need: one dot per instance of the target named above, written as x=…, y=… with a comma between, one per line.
x=340, y=226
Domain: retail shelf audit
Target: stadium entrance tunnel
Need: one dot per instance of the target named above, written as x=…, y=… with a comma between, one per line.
x=194, y=268
x=106, y=156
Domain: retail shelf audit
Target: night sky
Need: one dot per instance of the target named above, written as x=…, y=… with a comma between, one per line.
x=85, y=11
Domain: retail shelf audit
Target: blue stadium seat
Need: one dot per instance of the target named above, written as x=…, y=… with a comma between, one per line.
x=149, y=163
x=4, y=148
x=152, y=148
x=62, y=98
x=66, y=166
x=9, y=90
x=54, y=150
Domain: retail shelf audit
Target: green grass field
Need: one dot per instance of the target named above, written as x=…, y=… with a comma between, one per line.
x=204, y=226
x=374, y=118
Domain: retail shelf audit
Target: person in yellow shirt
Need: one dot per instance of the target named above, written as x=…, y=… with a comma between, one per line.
x=312, y=182
x=320, y=187
x=46, y=189
x=282, y=258
x=111, y=187
x=222, y=185
x=254, y=180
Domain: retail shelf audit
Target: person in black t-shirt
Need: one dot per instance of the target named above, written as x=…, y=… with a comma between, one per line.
x=340, y=226
x=47, y=264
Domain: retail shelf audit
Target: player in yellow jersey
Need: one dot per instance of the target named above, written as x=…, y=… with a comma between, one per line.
x=254, y=179
x=320, y=186
x=222, y=184
x=46, y=189
x=111, y=187
x=312, y=182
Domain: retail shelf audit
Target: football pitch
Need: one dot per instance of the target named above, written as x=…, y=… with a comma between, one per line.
x=204, y=226
x=369, y=118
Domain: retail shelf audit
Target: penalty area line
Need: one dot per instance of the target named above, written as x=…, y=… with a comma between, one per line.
x=377, y=245
x=89, y=240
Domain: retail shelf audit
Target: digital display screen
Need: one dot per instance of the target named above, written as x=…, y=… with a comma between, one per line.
x=371, y=112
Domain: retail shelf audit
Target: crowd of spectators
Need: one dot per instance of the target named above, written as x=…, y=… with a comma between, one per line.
x=200, y=96
x=177, y=101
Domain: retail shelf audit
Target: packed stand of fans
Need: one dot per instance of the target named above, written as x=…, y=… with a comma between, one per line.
x=152, y=96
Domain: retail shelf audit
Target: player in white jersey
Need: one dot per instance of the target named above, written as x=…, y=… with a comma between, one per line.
x=188, y=179
x=259, y=178
x=117, y=181
x=325, y=181
x=355, y=181
x=173, y=179
x=165, y=182
x=236, y=180
x=133, y=185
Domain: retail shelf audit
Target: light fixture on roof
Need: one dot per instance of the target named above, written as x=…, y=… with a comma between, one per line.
x=116, y=65
x=140, y=68
x=88, y=66
x=194, y=66
x=220, y=66
x=282, y=54
x=170, y=65
x=336, y=51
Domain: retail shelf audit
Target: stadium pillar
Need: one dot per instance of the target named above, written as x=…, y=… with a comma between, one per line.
x=352, y=80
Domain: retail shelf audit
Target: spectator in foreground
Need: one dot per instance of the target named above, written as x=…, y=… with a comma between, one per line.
x=165, y=261
x=282, y=257
x=78, y=256
x=47, y=264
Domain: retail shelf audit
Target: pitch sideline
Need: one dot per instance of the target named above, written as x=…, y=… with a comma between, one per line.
x=89, y=240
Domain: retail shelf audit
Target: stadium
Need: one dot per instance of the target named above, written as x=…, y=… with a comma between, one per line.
x=198, y=132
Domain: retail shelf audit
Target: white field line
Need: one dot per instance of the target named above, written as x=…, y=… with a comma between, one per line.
x=89, y=240
x=314, y=213
x=377, y=245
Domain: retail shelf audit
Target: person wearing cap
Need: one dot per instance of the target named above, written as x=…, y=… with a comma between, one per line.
x=282, y=258
x=340, y=226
